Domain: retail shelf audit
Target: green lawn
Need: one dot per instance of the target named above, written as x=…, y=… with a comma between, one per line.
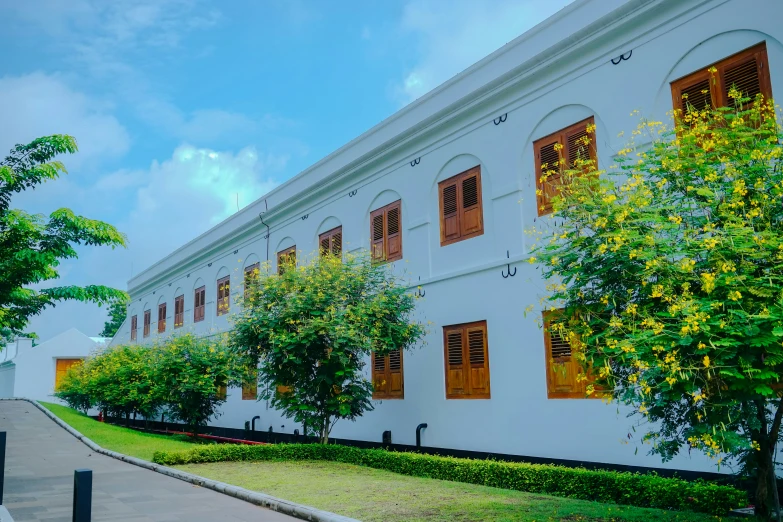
x=122, y=440
x=368, y=494
x=373, y=495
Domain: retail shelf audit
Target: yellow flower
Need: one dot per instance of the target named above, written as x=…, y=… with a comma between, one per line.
x=735, y=295
x=706, y=361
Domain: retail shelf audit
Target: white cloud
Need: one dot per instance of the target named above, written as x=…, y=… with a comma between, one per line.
x=454, y=34
x=170, y=203
x=37, y=104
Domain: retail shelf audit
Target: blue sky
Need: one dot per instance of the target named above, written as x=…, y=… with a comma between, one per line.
x=183, y=107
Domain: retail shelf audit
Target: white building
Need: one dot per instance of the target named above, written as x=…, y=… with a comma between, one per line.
x=459, y=167
x=34, y=371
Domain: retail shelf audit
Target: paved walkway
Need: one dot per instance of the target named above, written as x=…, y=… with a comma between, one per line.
x=41, y=457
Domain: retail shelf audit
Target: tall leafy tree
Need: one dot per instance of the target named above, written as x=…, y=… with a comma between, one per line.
x=310, y=329
x=117, y=312
x=32, y=246
x=669, y=272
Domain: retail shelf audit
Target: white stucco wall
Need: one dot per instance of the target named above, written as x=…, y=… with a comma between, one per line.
x=541, y=91
x=35, y=365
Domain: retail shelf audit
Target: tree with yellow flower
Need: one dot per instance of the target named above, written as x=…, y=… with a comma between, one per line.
x=670, y=273
x=311, y=328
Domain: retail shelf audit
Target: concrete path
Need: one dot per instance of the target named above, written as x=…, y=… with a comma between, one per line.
x=41, y=457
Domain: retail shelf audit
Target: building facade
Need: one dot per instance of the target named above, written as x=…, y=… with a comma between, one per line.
x=34, y=372
x=445, y=190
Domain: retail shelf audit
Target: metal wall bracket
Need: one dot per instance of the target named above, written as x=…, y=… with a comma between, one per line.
x=622, y=57
x=507, y=272
x=415, y=161
x=500, y=119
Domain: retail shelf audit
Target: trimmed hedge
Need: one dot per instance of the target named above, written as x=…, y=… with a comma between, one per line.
x=634, y=489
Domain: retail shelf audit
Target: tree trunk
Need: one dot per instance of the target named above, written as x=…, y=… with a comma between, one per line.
x=325, y=430
x=763, y=503
x=767, y=502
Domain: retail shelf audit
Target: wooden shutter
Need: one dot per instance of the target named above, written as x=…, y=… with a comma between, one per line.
x=61, y=368
x=547, y=162
x=747, y=70
x=449, y=211
x=134, y=326
x=199, y=296
x=455, y=374
x=377, y=236
x=147, y=318
x=387, y=376
x=461, y=213
x=331, y=242
x=394, y=231
x=221, y=392
x=561, y=366
x=250, y=390
x=223, y=286
x=386, y=232
x=467, y=361
x=380, y=380
x=470, y=192
x=252, y=274
x=576, y=143
x=477, y=356
x=179, y=311
x=161, y=317
x=284, y=258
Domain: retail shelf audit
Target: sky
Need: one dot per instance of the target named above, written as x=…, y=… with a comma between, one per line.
x=187, y=110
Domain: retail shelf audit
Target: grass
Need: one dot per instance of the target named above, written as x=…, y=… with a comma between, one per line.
x=368, y=494
x=123, y=440
x=375, y=495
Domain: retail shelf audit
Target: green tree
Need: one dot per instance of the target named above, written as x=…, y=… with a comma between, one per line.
x=117, y=313
x=310, y=329
x=122, y=381
x=194, y=373
x=669, y=272
x=32, y=246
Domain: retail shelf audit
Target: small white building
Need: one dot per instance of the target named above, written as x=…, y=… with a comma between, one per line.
x=34, y=371
x=445, y=189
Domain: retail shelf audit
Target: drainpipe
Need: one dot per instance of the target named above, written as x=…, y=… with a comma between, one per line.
x=253, y=428
x=261, y=217
x=421, y=426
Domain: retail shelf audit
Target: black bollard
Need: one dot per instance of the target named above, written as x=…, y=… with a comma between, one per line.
x=82, y=495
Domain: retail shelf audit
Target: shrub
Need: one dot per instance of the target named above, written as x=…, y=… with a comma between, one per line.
x=635, y=489
x=73, y=389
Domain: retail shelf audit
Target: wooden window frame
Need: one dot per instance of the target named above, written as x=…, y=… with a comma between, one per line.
x=334, y=241
x=179, y=311
x=134, y=327
x=384, y=391
x=380, y=246
x=460, y=211
x=223, y=295
x=59, y=373
x=719, y=95
x=544, y=201
x=162, y=320
x=147, y=319
x=579, y=389
x=286, y=252
x=199, y=304
x=467, y=385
